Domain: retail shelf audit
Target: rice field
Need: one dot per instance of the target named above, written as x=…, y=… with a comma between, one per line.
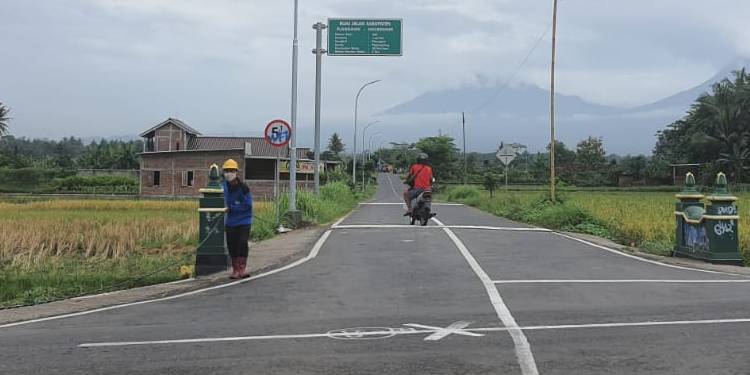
x=55, y=248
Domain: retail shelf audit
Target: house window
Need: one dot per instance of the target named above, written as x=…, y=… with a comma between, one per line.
x=150, y=144
x=157, y=178
x=177, y=146
x=187, y=178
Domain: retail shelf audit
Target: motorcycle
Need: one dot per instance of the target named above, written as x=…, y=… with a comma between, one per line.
x=422, y=208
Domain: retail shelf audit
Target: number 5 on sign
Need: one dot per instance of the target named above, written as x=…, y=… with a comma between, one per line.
x=278, y=133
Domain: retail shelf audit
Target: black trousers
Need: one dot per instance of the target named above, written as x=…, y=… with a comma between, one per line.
x=237, y=238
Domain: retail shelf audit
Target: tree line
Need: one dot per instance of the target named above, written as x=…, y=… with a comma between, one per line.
x=715, y=132
x=69, y=153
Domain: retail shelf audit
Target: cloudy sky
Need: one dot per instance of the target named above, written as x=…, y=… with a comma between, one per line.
x=116, y=67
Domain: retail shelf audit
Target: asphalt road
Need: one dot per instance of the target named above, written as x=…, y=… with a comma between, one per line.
x=469, y=294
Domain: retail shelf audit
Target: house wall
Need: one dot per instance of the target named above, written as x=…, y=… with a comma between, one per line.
x=171, y=166
x=168, y=138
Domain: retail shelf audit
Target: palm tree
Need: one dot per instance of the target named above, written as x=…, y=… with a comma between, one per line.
x=723, y=118
x=4, y=119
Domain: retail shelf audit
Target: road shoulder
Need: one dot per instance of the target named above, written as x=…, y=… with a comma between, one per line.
x=675, y=261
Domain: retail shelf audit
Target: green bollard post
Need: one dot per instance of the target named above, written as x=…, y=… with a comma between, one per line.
x=211, y=255
x=689, y=233
x=722, y=224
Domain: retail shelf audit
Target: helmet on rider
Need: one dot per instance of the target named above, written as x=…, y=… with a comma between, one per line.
x=422, y=158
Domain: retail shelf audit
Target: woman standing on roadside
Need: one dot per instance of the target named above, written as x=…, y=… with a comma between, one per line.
x=238, y=219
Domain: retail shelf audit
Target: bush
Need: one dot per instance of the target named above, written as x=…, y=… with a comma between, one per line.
x=25, y=180
x=96, y=184
x=460, y=193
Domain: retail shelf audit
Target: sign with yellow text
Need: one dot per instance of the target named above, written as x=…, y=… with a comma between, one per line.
x=304, y=167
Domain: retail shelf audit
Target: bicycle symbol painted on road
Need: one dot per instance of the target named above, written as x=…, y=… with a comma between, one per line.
x=375, y=333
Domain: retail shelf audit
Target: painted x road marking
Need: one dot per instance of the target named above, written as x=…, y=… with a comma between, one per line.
x=454, y=328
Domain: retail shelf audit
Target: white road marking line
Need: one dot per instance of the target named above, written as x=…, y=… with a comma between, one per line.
x=313, y=253
x=563, y=281
x=522, y=346
x=635, y=324
x=454, y=328
x=404, y=226
x=390, y=181
x=391, y=332
x=640, y=258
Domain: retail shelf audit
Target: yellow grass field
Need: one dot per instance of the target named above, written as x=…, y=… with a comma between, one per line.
x=647, y=217
x=34, y=232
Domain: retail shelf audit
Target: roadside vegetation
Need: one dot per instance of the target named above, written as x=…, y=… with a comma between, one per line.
x=640, y=219
x=57, y=248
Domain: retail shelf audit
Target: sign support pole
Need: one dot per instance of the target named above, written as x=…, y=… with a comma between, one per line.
x=318, y=51
x=506, y=177
x=277, y=177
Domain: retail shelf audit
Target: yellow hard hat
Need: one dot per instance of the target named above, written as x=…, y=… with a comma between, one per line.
x=230, y=164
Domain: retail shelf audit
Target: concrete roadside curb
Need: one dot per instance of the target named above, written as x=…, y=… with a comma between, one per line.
x=265, y=256
x=682, y=262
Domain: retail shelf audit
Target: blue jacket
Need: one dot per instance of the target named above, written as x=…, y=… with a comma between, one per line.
x=239, y=201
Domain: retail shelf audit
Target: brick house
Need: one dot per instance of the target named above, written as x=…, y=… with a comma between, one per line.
x=176, y=158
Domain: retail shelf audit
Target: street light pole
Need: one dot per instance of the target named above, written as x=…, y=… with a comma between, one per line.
x=369, y=143
x=552, y=104
x=318, y=51
x=293, y=140
x=364, y=133
x=354, y=155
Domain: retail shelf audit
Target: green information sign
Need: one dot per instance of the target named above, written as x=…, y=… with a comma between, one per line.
x=364, y=37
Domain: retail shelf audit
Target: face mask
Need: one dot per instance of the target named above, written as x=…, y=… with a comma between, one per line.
x=230, y=176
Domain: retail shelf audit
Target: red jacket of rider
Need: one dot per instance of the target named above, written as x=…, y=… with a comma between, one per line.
x=423, y=173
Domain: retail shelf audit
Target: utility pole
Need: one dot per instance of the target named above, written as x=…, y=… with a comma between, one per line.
x=463, y=126
x=319, y=52
x=293, y=140
x=552, y=105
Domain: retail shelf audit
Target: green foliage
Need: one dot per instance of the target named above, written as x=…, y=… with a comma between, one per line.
x=535, y=209
x=490, y=182
x=101, y=184
x=335, y=144
x=463, y=193
x=77, y=275
x=69, y=153
x=715, y=130
x=26, y=180
x=442, y=152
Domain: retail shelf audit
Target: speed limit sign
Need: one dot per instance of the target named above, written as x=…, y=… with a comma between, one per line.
x=278, y=133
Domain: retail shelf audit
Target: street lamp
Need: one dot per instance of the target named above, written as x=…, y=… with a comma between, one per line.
x=364, y=133
x=356, y=105
x=369, y=143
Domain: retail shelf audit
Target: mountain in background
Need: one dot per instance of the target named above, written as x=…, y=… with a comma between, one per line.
x=520, y=114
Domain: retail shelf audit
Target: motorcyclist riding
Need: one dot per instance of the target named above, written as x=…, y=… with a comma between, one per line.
x=419, y=180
